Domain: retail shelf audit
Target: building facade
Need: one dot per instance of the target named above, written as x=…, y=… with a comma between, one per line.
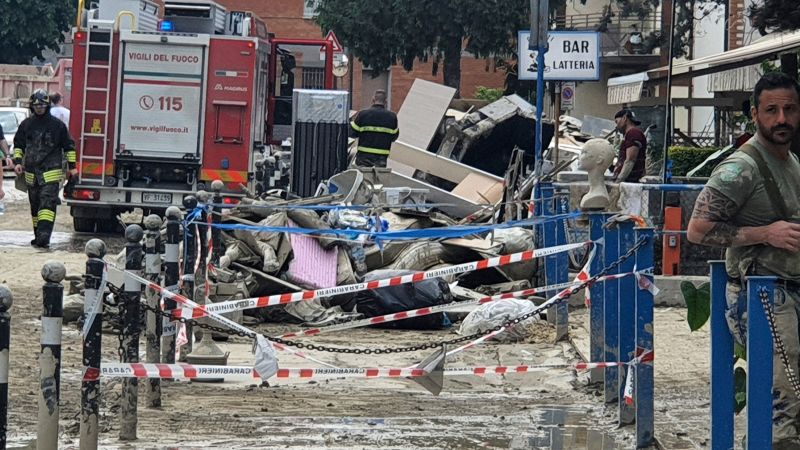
x=295, y=19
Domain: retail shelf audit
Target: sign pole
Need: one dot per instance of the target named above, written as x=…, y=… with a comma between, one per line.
x=557, y=120
x=538, y=42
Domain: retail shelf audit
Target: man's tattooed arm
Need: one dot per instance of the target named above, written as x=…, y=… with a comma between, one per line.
x=710, y=223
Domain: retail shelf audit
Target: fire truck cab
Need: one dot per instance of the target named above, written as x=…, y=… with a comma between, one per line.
x=164, y=102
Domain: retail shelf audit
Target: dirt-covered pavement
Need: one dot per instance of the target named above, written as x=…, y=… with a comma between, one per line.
x=546, y=409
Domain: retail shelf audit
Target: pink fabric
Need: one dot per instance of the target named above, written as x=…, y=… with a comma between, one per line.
x=312, y=266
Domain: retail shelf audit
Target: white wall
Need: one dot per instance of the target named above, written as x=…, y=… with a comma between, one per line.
x=709, y=38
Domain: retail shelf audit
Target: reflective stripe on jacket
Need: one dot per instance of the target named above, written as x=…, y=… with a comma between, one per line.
x=376, y=129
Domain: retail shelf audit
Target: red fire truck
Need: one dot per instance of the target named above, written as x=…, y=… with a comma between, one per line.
x=158, y=114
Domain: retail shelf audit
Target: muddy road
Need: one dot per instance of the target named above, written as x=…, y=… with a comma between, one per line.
x=552, y=409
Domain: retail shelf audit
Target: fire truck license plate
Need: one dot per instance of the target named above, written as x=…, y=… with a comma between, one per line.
x=154, y=197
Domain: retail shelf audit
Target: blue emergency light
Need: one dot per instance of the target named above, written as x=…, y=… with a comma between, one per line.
x=166, y=25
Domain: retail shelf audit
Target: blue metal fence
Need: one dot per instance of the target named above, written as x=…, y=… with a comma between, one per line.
x=759, y=364
x=621, y=313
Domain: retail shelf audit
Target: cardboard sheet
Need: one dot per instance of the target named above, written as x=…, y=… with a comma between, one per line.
x=476, y=186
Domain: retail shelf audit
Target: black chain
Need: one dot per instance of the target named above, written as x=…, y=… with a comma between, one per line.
x=121, y=312
x=778, y=341
x=412, y=348
x=193, y=322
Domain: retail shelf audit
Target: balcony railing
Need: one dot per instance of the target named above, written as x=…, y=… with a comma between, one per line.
x=619, y=36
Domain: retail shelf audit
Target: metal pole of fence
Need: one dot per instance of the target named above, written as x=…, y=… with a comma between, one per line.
x=627, y=317
x=92, y=342
x=759, y=364
x=216, y=234
x=189, y=260
x=152, y=270
x=722, y=390
x=53, y=273
x=130, y=331
x=611, y=314
x=643, y=379
x=557, y=315
x=596, y=291
x=6, y=299
x=562, y=261
x=171, y=280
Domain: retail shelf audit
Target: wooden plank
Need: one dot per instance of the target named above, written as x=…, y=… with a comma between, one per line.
x=431, y=163
x=422, y=111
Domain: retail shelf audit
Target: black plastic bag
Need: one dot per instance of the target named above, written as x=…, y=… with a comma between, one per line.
x=404, y=297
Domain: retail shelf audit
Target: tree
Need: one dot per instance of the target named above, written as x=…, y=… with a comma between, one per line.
x=381, y=33
x=775, y=15
x=28, y=27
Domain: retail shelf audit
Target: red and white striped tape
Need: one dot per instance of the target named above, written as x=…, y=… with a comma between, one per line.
x=423, y=311
x=201, y=372
x=281, y=299
x=582, y=278
x=189, y=304
x=441, y=308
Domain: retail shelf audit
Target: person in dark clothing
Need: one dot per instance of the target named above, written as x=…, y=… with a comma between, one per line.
x=4, y=155
x=376, y=128
x=41, y=144
x=633, y=151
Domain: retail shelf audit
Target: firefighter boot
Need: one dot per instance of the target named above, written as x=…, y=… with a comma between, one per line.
x=48, y=199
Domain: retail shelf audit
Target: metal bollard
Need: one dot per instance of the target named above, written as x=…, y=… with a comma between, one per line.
x=218, y=249
x=152, y=270
x=203, y=197
x=722, y=400
x=171, y=280
x=92, y=343
x=204, y=350
x=190, y=234
x=130, y=331
x=53, y=273
x=6, y=299
x=643, y=373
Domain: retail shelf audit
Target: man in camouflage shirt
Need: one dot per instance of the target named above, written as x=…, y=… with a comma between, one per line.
x=735, y=210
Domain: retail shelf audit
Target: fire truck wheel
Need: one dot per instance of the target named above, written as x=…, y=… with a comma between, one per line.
x=84, y=224
x=111, y=225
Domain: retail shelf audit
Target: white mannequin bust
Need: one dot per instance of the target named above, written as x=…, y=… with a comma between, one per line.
x=596, y=156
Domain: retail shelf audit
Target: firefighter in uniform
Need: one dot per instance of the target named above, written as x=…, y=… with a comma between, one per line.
x=41, y=144
x=376, y=129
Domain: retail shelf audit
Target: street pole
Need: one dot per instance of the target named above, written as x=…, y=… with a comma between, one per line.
x=668, y=113
x=557, y=120
x=538, y=43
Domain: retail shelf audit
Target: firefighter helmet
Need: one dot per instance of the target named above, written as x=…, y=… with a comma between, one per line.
x=39, y=97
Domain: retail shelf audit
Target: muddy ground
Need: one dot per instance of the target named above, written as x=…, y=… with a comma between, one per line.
x=553, y=409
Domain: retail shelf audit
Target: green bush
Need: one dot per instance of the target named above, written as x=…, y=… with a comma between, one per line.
x=488, y=94
x=685, y=159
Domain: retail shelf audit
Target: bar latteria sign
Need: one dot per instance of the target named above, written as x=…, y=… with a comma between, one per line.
x=571, y=56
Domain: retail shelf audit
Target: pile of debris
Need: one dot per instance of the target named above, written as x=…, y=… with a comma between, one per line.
x=260, y=259
x=446, y=168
